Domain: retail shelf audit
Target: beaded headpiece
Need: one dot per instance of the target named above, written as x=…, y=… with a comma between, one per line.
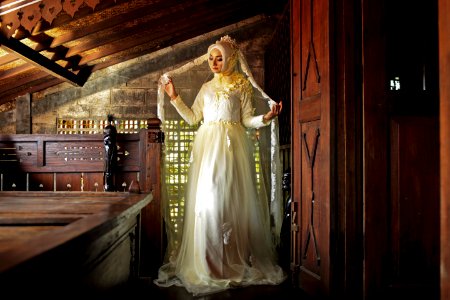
x=229, y=40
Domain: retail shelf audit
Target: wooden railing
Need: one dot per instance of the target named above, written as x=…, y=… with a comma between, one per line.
x=45, y=162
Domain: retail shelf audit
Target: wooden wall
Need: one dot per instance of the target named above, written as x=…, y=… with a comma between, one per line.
x=444, y=88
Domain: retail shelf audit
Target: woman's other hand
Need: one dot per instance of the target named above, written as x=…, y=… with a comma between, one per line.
x=275, y=110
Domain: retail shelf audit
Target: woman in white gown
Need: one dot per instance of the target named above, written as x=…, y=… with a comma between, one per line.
x=227, y=239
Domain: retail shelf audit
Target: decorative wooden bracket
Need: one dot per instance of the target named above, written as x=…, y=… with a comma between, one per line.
x=28, y=14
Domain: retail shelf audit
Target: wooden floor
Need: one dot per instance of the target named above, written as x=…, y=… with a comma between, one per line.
x=284, y=291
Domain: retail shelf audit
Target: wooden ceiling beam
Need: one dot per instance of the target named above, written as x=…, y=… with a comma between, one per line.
x=29, y=84
x=121, y=26
x=6, y=59
x=15, y=71
x=14, y=46
x=130, y=16
x=197, y=19
x=163, y=42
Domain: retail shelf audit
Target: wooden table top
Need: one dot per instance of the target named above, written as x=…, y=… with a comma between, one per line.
x=32, y=223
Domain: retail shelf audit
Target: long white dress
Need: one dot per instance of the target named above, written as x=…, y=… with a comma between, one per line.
x=227, y=239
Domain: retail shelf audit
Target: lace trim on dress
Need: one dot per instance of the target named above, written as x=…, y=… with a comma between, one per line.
x=232, y=83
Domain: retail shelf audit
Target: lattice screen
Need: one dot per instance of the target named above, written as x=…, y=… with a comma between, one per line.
x=92, y=126
x=178, y=140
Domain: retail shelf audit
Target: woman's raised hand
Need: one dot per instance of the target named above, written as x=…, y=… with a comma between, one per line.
x=169, y=87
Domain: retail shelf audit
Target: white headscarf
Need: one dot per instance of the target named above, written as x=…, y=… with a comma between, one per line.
x=229, y=50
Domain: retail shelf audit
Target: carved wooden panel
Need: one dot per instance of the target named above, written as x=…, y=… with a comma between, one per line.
x=311, y=51
x=311, y=146
x=29, y=14
x=312, y=201
x=72, y=162
x=12, y=153
x=50, y=9
x=74, y=153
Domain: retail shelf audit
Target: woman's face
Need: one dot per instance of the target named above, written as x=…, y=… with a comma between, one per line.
x=215, y=60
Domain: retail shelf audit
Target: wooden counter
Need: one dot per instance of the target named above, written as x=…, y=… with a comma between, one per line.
x=59, y=242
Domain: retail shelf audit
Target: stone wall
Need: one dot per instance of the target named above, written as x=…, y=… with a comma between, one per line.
x=129, y=89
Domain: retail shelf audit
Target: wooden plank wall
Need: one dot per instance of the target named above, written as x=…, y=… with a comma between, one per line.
x=444, y=87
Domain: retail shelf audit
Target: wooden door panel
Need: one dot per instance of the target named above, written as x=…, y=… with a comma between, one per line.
x=414, y=218
x=310, y=243
x=311, y=157
x=309, y=109
x=311, y=47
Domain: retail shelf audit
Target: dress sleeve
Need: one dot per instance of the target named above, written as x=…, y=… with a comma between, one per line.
x=191, y=115
x=247, y=111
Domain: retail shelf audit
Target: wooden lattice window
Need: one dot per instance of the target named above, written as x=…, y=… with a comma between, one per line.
x=93, y=126
x=178, y=138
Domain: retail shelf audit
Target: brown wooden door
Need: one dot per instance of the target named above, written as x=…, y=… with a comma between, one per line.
x=364, y=157
x=401, y=150
x=311, y=156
